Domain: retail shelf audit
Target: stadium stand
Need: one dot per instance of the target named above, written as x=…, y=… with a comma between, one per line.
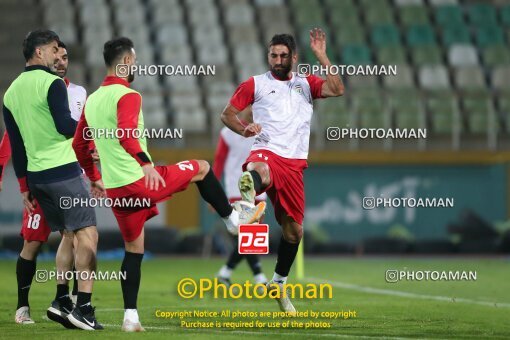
x=452, y=56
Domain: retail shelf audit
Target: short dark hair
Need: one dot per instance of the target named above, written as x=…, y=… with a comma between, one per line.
x=35, y=39
x=284, y=39
x=114, y=48
x=61, y=44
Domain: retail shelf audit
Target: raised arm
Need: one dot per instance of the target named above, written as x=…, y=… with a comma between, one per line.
x=333, y=86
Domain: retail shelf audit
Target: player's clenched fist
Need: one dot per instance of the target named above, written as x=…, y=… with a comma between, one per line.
x=252, y=129
x=152, y=177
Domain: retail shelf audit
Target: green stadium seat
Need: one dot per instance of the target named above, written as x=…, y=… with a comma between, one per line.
x=478, y=108
x=449, y=15
x=426, y=55
x=500, y=79
x=340, y=5
x=369, y=107
x=505, y=15
x=482, y=15
x=469, y=78
x=335, y=112
x=311, y=17
x=383, y=35
x=344, y=18
x=443, y=110
x=390, y=55
x=408, y=109
x=377, y=4
x=455, y=34
x=489, y=35
x=306, y=5
x=504, y=109
x=403, y=79
x=378, y=15
x=369, y=83
x=342, y=13
x=496, y=55
x=413, y=15
x=350, y=35
x=419, y=35
x=356, y=54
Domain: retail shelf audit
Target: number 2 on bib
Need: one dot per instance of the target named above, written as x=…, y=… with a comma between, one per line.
x=185, y=165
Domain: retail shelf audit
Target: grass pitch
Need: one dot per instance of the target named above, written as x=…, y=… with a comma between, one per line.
x=407, y=309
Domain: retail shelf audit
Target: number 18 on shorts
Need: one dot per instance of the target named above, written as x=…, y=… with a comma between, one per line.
x=253, y=239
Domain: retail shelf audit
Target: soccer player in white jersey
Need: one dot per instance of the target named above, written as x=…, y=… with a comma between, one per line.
x=282, y=106
x=77, y=94
x=231, y=151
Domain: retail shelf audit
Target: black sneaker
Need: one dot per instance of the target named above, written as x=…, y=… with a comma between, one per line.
x=87, y=321
x=59, y=310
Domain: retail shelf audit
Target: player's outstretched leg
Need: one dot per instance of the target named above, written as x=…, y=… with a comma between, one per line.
x=287, y=250
x=131, y=266
x=25, y=271
x=213, y=193
x=62, y=305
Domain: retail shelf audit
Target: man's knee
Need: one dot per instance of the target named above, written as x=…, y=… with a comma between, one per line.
x=87, y=236
x=137, y=245
x=262, y=169
x=203, y=169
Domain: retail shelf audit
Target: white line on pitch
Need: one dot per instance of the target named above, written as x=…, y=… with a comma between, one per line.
x=400, y=293
x=265, y=332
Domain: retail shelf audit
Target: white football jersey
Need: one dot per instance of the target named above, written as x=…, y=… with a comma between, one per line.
x=77, y=95
x=284, y=110
x=238, y=150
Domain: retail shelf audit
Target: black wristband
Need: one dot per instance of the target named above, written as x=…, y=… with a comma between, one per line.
x=143, y=157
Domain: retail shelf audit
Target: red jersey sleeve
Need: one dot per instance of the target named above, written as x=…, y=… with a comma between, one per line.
x=128, y=110
x=5, y=153
x=244, y=95
x=220, y=156
x=81, y=148
x=315, y=85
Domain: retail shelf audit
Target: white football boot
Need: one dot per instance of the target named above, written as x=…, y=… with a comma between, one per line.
x=23, y=316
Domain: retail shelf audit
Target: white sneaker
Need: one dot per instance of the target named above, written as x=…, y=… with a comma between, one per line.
x=23, y=316
x=243, y=213
x=248, y=213
x=129, y=326
x=284, y=300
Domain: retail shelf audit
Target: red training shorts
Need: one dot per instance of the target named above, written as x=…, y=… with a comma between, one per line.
x=287, y=189
x=131, y=220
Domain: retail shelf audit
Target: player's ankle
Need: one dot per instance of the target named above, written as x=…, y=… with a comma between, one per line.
x=131, y=314
x=279, y=278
